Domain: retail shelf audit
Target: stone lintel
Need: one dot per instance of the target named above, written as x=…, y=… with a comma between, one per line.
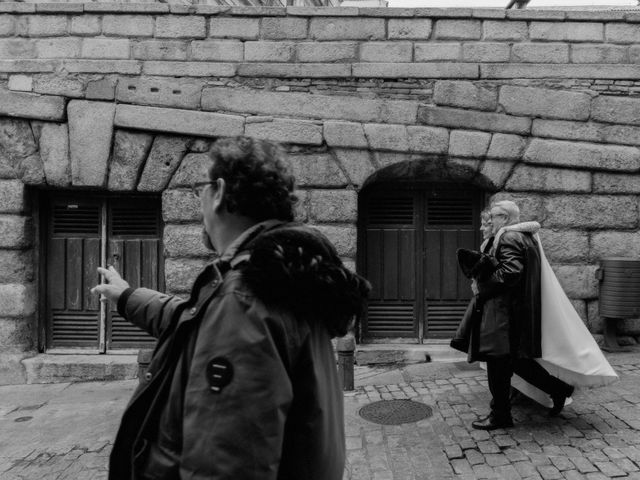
x=31, y=105
x=185, y=122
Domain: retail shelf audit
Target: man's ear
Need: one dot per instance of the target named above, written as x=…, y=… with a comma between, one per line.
x=218, y=196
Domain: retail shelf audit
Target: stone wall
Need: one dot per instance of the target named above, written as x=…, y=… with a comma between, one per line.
x=539, y=106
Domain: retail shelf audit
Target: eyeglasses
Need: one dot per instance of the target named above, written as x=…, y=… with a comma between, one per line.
x=198, y=187
x=494, y=215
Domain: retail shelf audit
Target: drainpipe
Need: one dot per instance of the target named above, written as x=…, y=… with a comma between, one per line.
x=346, y=347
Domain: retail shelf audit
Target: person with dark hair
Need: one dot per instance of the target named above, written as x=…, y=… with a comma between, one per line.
x=243, y=382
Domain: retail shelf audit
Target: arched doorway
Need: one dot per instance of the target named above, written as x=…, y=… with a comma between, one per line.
x=408, y=234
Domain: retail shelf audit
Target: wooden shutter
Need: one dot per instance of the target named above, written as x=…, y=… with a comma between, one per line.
x=73, y=255
x=135, y=250
x=390, y=265
x=450, y=223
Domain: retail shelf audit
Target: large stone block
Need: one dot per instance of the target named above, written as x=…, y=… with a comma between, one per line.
x=90, y=132
x=622, y=32
x=459, y=118
x=433, y=52
x=598, y=54
x=7, y=25
x=540, y=52
x=409, y=28
x=125, y=67
x=163, y=160
x=614, y=244
x=190, y=69
x=344, y=134
x=428, y=139
x=468, y=144
x=16, y=335
x=504, y=30
x=12, y=371
x=386, y=51
x=260, y=51
x=616, y=109
x=343, y=238
x=577, y=281
x=565, y=245
x=496, y=172
x=18, y=144
x=457, y=30
x=46, y=25
x=54, y=151
x=180, y=273
x=309, y=105
x=12, y=197
x=591, y=211
x=528, y=178
x=506, y=147
x=541, y=102
x=587, y=131
x=64, y=86
x=584, y=155
x=415, y=70
x=356, y=163
x=334, y=28
x=320, y=170
x=17, y=300
x=385, y=159
x=29, y=105
x=286, y=131
x=16, y=266
x=542, y=70
x=194, y=168
x=58, y=48
x=162, y=49
x=160, y=91
x=105, y=48
x=180, y=206
x=179, y=26
x=230, y=27
x=130, y=150
x=465, y=95
x=294, y=70
x=616, y=183
x=326, y=51
x=185, y=122
x=333, y=205
x=127, y=25
x=387, y=137
x=89, y=25
x=485, y=52
x=184, y=241
x=567, y=31
x=275, y=28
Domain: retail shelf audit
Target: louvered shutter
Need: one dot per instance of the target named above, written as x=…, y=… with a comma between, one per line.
x=135, y=250
x=450, y=223
x=390, y=265
x=73, y=255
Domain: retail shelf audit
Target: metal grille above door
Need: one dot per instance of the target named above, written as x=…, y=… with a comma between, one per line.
x=408, y=238
x=82, y=234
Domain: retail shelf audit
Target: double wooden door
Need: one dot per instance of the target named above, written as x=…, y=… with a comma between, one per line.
x=408, y=239
x=83, y=232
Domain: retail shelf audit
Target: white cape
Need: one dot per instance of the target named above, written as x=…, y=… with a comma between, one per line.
x=569, y=351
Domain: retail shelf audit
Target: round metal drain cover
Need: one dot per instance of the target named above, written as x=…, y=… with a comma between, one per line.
x=395, y=412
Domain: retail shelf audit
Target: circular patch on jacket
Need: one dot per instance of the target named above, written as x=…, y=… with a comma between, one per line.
x=219, y=373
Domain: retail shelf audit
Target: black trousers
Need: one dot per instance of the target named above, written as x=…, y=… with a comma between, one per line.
x=499, y=373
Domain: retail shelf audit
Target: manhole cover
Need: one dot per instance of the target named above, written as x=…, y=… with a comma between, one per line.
x=395, y=412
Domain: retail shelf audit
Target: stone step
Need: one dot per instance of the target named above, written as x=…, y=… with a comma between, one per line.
x=386, y=354
x=47, y=368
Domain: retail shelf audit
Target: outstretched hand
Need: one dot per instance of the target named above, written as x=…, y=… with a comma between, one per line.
x=114, y=285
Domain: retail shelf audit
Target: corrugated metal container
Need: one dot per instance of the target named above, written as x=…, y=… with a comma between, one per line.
x=619, y=287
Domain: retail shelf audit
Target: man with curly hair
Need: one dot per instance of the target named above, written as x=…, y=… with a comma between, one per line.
x=243, y=381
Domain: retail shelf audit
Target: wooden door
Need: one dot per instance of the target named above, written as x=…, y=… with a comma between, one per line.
x=390, y=265
x=409, y=235
x=82, y=233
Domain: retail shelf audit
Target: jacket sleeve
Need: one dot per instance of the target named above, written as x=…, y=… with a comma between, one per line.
x=511, y=262
x=236, y=432
x=150, y=310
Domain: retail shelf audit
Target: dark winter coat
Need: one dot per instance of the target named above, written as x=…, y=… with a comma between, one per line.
x=243, y=383
x=510, y=298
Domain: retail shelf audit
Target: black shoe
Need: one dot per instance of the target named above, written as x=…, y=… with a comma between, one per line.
x=492, y=423
x=558, y=402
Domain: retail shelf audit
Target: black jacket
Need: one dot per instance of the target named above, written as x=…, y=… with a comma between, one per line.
x=243, y=380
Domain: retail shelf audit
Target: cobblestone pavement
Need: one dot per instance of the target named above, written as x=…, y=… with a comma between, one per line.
x=65, y=431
